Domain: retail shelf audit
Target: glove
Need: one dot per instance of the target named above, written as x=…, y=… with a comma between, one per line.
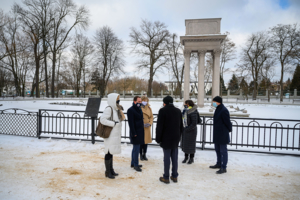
x=116, y=123
x=146, y=125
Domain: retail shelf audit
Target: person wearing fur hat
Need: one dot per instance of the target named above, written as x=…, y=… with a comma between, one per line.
x=112, y=144
x=169, y=128
x=190, y=118
x=148, y=121
x=221, y=128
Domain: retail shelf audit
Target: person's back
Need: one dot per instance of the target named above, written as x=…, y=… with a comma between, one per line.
x=169, y=127
x=168, y=132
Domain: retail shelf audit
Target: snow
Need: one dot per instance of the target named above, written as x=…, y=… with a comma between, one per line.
x=61, y=169
x=255, y=110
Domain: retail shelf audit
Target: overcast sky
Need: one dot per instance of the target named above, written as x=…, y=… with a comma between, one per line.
x=239, y=17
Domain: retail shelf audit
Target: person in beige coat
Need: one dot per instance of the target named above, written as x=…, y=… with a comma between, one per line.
x=148, y=121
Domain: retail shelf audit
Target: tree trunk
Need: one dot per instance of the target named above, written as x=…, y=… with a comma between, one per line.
x=254, y=91
x=53, y=74
x=46, y=72
x=281, y=83
x=37, y=71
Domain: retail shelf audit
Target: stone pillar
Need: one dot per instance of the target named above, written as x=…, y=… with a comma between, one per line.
x=151, y=93
x=186, y=86
x=124, y=94
x=172, y=92
x=89, y=93
x=295, y=93
x=201, y=92
x=228, y=93
x=162, y=93
x=106, y=93
x=97, y=92
x=216, y=74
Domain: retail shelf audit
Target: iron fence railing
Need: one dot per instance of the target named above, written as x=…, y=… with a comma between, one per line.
x=257, y=135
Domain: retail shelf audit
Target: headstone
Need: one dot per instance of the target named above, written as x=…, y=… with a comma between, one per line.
x=89, y=93
x=295, y=93
x=241, y=93
x=124, y=94
x=92, y=107
x=106, y=93
x=228, y=93
x=162, y=93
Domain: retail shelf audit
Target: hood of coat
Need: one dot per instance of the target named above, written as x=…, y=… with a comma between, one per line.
x=112, y=100
x=193, y=109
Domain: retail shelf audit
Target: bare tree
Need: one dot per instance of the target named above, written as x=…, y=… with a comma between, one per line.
x=174, y=52
x=109, y=57
x=228, y=53
x=208, y=68
x=30, y=21
x=285, y=40
x=254, y=56
x=81, y=50
x=149, y=43
x=65, y=9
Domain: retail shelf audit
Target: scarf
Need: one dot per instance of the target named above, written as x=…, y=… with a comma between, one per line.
x=184, y=116
x=120, y=112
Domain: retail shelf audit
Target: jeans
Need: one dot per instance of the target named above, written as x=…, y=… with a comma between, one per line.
x=222, y=155
x=143, y=149
x=135, y=155
x=173, y=155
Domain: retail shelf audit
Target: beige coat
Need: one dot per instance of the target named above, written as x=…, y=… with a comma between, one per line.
x=148, y=118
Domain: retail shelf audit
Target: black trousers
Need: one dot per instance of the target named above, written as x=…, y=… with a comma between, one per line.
x=170, y=155
x=191, y=155
x=143, y=148
x=108, y=156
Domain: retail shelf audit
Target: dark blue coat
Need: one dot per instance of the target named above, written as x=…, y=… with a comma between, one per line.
x=136, y=124
x=169, y=127
x=222, y=125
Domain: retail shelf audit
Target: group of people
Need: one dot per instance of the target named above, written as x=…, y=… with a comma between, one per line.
x=174, y=127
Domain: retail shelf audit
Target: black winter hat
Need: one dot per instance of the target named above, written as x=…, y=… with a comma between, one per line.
x=167, y=100
x=218, y=99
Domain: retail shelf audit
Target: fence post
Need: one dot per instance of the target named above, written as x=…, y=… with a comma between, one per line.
x=93, y=129
x=203, y=133
x=39, y=129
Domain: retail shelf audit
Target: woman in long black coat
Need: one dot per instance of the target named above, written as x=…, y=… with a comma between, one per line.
x=190, y=117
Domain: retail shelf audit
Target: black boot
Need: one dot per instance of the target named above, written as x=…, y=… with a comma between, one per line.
x=112, y=168
x=185, y=159
x=145, y=158
x=216, y=166
x=221, y=171
x=108, y=171
x=141, y=157
x=191, y=161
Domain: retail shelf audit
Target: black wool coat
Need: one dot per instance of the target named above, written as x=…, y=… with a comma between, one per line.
x=188, y=141
x=222, y=125
x=136, y=124
x=169, y=127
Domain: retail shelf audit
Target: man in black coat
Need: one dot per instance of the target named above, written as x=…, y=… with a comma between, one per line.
x=136, y=127
x=221, y=128
x=168, y=132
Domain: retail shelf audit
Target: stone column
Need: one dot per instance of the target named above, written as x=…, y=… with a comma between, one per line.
x=151, y=93
x=172, y=93
x=201, y=92
x=216, y=73
x=295, y=93
x=124, y=94
x=186, y=86
x=228, y=93
x=162, y=93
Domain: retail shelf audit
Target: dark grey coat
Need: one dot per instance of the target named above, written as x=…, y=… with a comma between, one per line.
x=188, y=140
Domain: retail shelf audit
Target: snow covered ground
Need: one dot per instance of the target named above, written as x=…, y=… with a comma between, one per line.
x=61, y=169
x=255, y=110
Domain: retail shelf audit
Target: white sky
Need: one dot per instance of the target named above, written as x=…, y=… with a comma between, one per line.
x=239, y=17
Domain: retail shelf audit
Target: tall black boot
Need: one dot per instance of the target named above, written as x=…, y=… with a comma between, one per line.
x=191, y=161
x=108, y=171
x=185, y=158
x=145, y=158
x=112, y=168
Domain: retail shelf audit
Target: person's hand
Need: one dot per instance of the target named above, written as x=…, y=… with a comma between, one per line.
x=146, y=125
x=135, y=135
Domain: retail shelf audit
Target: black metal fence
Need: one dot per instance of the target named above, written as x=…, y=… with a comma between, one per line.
x=259, y=135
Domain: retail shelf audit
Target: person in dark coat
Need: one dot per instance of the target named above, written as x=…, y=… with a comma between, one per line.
x=168, y=132
x=136, y=127
x=221, y=128
x=190, y=117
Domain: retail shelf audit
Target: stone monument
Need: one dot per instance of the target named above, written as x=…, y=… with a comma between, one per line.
x=202, y=36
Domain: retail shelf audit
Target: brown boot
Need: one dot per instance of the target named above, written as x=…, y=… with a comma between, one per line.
x=173, y=179
x=166, y=181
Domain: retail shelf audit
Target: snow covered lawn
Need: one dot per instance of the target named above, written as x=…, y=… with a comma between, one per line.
x=60, y=169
